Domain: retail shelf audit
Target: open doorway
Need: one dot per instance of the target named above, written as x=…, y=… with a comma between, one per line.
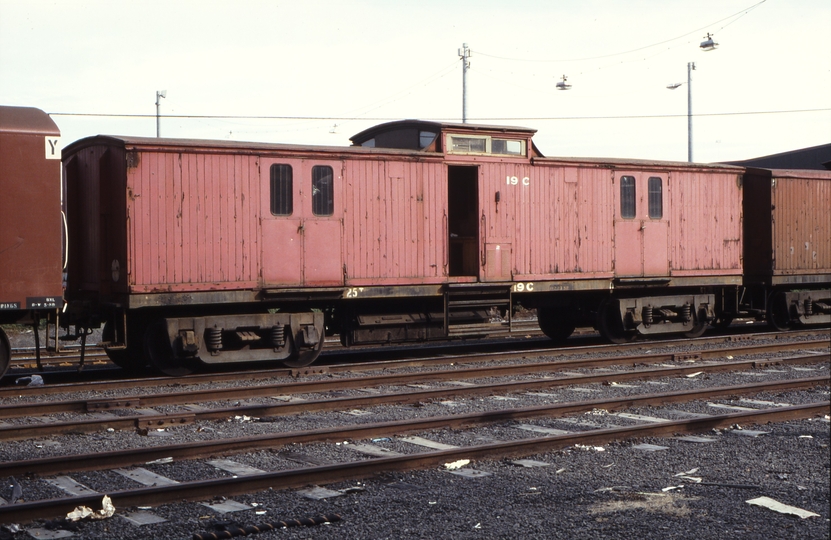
x=462, y=219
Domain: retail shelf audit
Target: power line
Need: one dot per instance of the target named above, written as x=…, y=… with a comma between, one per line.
x=738, y=15
x=388, y=119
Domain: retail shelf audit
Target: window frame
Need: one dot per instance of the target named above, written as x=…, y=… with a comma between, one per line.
x=488, y=145
x=289, y=202
x=654, y=197
x=628, y=199
x=317, y=201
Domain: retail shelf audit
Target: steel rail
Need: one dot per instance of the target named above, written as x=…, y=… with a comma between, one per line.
x=322, y=368
x=119, y=458
x=16, y=392
x=205, y=489
x=17, y=432
x=501, y=370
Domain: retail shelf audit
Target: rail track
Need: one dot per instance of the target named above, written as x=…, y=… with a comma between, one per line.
x=496, y=378
x=24, y=358
x=361, y=469
x=149, y=419
x=353, y=359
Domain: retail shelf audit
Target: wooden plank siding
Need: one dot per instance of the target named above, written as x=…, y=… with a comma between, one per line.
x=193, y=222
x=705, y=225
x=801, y=209
x=391, y=229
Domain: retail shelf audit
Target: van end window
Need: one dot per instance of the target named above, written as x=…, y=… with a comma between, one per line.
x=656, y=197
x=627, y=197
x=425, y=138
x=506, y=146
x=281, y=190
x=469, y=144
x=323, y=190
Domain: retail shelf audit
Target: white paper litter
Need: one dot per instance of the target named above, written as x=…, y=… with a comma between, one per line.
x=696, y=374
x=83, y=512
x=589, y=447
x=691, y=471
x=456, y=464
x=776, y=506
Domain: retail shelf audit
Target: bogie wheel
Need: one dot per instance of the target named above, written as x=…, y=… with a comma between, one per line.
x=160, y=353
x=130, y=359
x=5, y=353
x=610, y=325
x=554, y=324
x=305, y=357
x=697, y=330
x=778, y=315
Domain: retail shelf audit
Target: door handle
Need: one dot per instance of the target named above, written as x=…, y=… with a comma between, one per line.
x=483, y=234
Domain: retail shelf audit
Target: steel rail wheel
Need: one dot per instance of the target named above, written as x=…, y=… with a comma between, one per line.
x=5, y=353
x=697, y=330
x=554, y=324
x=777, y=314
x=160, y=353
x=129, y=359
x=303, y=358
x=610, y=325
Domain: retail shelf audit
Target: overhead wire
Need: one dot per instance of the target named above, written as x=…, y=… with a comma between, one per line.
x=737, y=15
x=387, y=119
x=361, y=112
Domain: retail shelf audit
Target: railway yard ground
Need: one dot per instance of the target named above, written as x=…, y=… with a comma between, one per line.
x=725, y=436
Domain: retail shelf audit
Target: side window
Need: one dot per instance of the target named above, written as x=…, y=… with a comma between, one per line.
x=627, y=197
x=323, y=191
x=281, y=190
x=425, y=138
x=469, y=144
x=656, y=198
x=507, y=146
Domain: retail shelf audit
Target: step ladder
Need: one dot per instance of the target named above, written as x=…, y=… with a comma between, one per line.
x=475, y=309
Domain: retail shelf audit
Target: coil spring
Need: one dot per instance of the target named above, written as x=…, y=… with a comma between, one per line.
x=213, y=338
x=809, y=307
x=647, y=315
x=278, y=335
x=686, y=312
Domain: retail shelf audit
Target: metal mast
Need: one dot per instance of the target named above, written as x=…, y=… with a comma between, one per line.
x=690, y=68
x=159, y=94
x=464, y=54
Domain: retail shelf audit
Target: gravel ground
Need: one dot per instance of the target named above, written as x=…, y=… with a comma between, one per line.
x=582, y=493
x=241, y=425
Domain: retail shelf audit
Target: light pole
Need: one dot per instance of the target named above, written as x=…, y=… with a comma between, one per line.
x=464, y=54
x=159, y=94
x=707, y=45
x=690, y=68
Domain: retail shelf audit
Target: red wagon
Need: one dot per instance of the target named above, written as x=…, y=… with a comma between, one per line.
x=787, y=256
x=213, y=252
x=30, y=220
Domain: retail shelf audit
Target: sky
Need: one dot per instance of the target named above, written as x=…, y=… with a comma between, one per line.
x=318, y=72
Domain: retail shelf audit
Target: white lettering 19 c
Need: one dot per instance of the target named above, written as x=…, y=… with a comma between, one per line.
x=513, y=181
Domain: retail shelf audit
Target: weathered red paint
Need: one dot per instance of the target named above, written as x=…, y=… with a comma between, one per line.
x=192, y=216
x=788, y=226
x=30, y=210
